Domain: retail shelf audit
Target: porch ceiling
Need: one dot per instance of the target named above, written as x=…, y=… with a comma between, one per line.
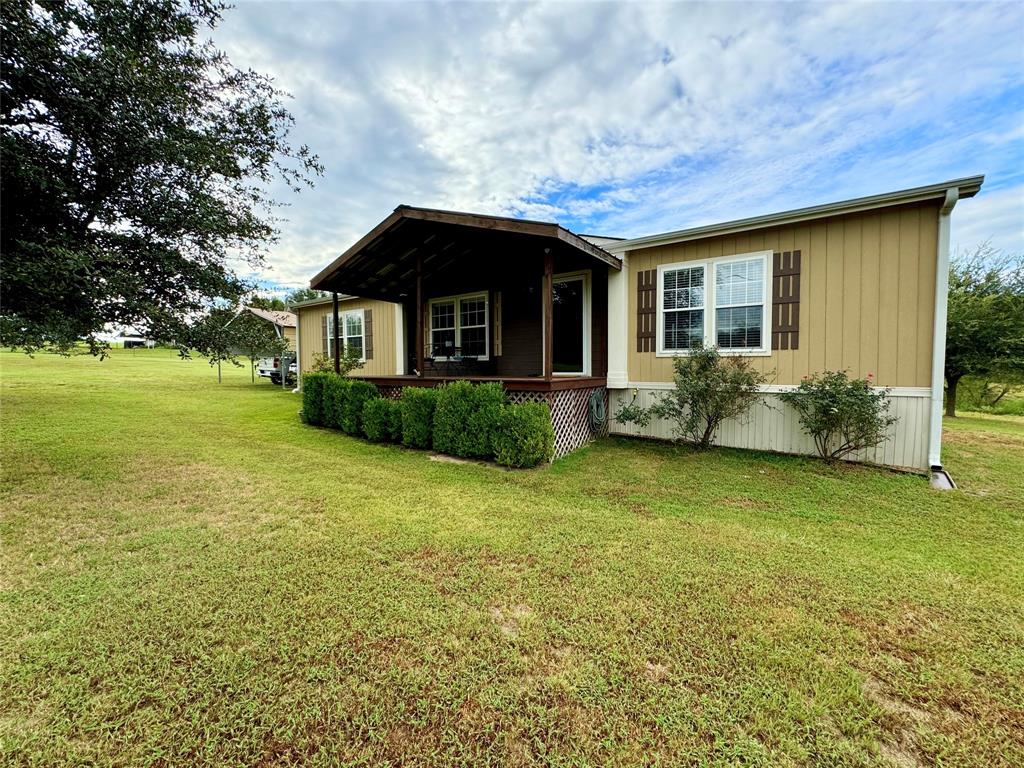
x=382, y=265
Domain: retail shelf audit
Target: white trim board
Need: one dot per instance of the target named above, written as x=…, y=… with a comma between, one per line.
x=775, y=389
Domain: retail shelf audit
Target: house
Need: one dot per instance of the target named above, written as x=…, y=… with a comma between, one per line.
x=285, y=323
x=579, y=321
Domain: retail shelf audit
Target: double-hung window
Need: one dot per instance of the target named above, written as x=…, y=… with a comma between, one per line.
x=720, y=302
x=458, y=327
x=350, y=333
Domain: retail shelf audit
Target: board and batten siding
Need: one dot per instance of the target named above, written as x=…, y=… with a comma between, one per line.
x=311, y=334
x=866, y=299
x=289, y=335
x=866, y=306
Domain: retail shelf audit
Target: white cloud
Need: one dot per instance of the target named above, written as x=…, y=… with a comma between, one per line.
x=630, y=119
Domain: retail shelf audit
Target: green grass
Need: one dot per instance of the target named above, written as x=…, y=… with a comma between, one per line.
x=190, y=576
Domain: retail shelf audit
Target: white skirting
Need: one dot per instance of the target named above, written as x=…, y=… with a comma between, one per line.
x=773, y=426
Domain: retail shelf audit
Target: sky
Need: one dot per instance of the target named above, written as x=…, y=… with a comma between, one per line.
x=629, y=119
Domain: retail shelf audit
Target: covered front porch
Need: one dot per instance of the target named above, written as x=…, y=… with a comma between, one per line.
x=488, y=298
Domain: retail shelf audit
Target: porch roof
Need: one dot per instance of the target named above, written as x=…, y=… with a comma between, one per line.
x=382, y=264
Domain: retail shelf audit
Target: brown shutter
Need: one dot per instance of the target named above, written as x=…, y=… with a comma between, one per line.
x=323, y=333
x=646, y=310
x=368, y=334
x=786, y=300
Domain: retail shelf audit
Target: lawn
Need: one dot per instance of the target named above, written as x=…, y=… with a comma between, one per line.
x=189, y=576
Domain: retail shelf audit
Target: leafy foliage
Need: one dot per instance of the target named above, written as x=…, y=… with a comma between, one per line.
x=709, y=389
x=382, y=420
x=136, y=160
x=357, y=393
x=313, y=385
x=524, y=435
x=985, y=320
x=351, y=360
x=335, y=399
x=467, y=417
x=418, y=405
x=304, y=294
x=841, y=414
x=254, y=337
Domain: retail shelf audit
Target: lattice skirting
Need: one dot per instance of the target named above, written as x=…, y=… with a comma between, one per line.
x=570, y=413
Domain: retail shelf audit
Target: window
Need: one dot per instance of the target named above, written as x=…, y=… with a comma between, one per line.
x=458, y=326
x=351, y=336
x=682, y=301
x=727, y=308
x=739, y=304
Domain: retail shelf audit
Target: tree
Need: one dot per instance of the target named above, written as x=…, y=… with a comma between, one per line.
x=136, y=160
x=211, y=336
x=985, y=320
x=708, y=390
x=255, y=338
x=305, y=294
x=267, y=302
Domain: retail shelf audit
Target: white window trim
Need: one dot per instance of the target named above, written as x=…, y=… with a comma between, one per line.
x=710, y=336
x=344, y=335
x=458, y=299
x=585, y=276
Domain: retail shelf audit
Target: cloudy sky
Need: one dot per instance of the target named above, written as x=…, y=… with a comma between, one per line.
x=627, y=119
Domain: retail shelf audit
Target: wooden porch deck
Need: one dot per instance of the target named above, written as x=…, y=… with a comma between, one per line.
x=512, y=384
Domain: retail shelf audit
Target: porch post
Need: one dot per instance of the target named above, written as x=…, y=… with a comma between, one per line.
x=334, y=333
x=549, y=347
x=419, y=314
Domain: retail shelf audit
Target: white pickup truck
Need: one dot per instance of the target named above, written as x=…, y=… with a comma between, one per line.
x=270, y=367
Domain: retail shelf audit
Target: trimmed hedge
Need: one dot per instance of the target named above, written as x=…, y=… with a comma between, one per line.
x=359, y=392
x=382, y=420
x=334, y=398
x=525, y=436
x=467, y=417
x=313, y=397
x=418, y=416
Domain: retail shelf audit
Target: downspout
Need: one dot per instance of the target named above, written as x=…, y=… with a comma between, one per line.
x=298, y=352
x=939, y=329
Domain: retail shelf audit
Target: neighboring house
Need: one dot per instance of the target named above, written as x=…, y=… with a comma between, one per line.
x=284, y=322
x=858, y=285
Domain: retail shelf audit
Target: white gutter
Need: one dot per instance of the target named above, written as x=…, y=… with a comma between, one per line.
x=939, y=328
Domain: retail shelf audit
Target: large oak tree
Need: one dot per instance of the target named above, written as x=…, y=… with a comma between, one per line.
x=137, y=164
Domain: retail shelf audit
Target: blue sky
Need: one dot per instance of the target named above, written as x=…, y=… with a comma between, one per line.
x=628, y=119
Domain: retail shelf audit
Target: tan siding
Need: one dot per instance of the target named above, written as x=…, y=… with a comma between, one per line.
x=289, y=336
x=311, y=339
x=866, y=301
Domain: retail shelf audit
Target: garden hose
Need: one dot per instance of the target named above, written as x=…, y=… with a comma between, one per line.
x=598, y=410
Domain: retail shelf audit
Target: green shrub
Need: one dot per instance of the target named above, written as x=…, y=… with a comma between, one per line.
x=359, y=392
x=841, y=414
x=709, y=389
x=382, y=420
x=488, y=402
x=418, y=416
x=313, y=397
x=467, y=417
x=336, y=389
x=525, y=436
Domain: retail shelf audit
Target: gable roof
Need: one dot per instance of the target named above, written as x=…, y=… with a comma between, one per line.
x=380, y=240
x=284, y=319
x=966, y=187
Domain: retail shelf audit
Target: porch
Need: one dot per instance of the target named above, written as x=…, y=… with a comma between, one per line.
x=486, y=298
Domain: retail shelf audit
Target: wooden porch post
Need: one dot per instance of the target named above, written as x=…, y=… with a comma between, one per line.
x=419, y=314
x=334, y=333
x=549, y=347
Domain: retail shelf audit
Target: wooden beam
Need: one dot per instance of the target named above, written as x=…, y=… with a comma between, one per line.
x=334, y=332
x=548, y=299
x=419, y=313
